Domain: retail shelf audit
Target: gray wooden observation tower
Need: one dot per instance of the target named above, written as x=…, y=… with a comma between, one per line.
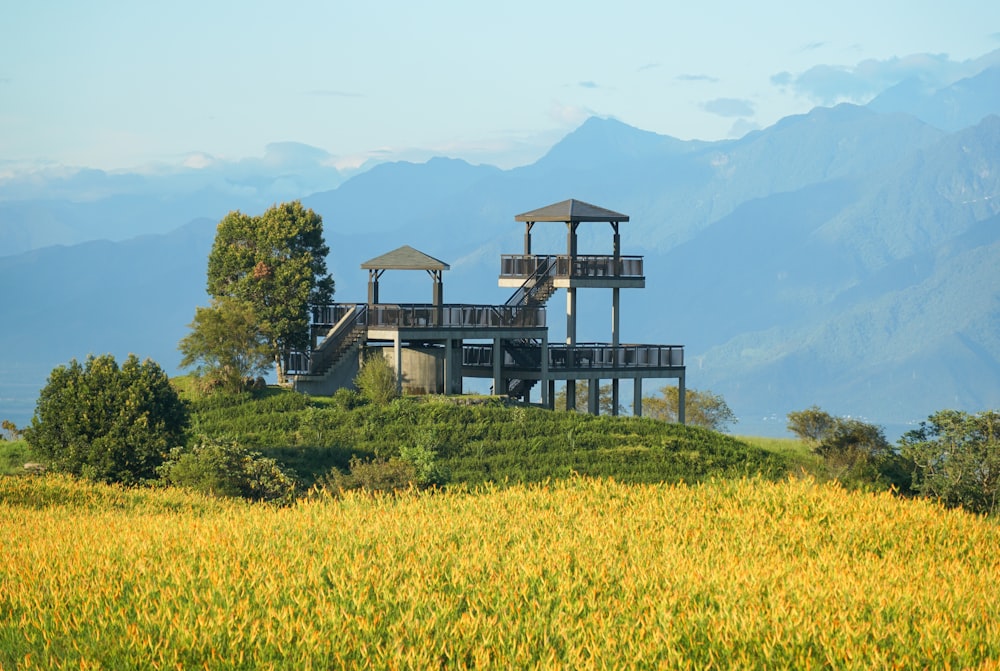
x=433, y=346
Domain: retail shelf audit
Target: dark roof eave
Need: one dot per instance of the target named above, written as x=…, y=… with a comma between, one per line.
x=572, y=211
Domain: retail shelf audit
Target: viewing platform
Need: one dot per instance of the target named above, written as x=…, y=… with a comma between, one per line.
x=433, y=346
x=578, y=361
x=584, y=270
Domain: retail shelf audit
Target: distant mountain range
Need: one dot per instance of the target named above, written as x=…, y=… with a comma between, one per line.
x=849, y=257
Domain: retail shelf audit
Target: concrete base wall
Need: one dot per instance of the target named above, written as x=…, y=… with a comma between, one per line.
x=423, y=369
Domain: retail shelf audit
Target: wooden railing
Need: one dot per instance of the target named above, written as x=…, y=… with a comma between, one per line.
x=424, y=315
x=584, y=265
x=583, y=356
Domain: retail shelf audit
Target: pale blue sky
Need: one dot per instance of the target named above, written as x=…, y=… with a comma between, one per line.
x=116, y=84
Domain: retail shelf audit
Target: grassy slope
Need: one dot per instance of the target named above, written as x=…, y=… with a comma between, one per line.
x=485, y=441
x=477, y=439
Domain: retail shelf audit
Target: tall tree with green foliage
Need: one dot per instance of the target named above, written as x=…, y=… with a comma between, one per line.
x=854, y=452
x=811, y=425
x=701, y=408
x=108, y=423
x=276, y=264
x=225, y=345
x=957, y=458
x=605, y=400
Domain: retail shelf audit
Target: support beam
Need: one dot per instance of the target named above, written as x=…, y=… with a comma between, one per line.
x=527, y=237
x=498, y=381
x=552, y=395
x=637, y=398
x=543, y=383
x=615, y=397
x=594, y=397
x=373, y=276
x=681, y=400
x=571, y=316
x=398, y=352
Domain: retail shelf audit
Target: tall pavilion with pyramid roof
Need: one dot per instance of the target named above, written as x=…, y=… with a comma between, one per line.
x=433, y=346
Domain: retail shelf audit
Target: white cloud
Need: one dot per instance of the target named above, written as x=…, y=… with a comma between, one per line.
x=828, y=84
x=696, y=78
x=729, y=107
x=741, y=127
x=569, y=115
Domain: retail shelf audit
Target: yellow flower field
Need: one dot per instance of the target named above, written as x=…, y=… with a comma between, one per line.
x=576, y=575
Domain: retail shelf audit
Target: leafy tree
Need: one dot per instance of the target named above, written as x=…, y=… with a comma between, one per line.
x=606, y=400
x=108, y=423
x=701, y=408
x=10, y=430
x=225, y=344
x=228, y=469
x=957, y=458
x=811, y=425
x=276, y=263
x=377, y=379
x=854, y=452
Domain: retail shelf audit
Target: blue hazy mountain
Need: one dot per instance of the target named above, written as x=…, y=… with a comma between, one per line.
x=847, y=257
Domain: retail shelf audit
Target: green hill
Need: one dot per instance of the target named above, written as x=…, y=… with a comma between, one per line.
x=476, y=440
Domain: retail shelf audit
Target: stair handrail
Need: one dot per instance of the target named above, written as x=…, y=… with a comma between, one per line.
x=532, y=283
x=325, y=354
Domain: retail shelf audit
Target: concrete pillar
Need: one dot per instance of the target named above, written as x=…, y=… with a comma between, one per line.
x=637, y=403
x=398, y=352
x=544, y=382
x=615, y=337
x=552, y=395
x=499, y=388
x=594, y=397
x=571, y=316
x=570, y=394
x=681, y=400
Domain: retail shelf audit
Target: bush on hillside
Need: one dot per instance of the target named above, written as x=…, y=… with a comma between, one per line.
x=223, y=468
x=376, y=380
x=105, y=422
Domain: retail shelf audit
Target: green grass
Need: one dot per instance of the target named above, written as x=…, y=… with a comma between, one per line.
x=14, y=454
x=796, y=452
x=477, y=439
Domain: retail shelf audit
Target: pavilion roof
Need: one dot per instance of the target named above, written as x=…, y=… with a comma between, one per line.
x=404, y=258
x=572, y=211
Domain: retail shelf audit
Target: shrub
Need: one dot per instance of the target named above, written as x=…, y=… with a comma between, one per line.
x=108, y=423
x=374, y=475
x=376, y=380
x=228, y=469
